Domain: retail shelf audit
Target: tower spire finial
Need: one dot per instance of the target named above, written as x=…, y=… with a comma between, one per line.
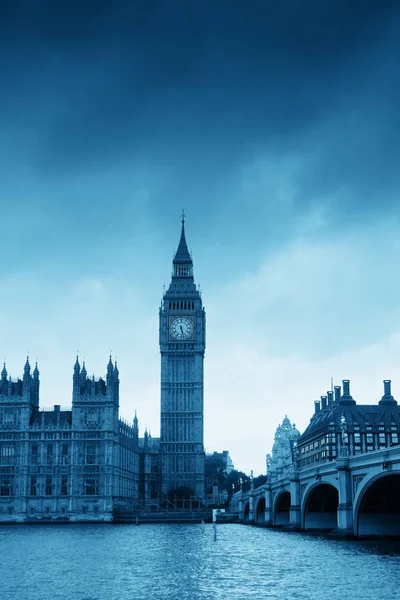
x=183, y=217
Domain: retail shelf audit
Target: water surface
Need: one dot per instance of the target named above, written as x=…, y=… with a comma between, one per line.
x=179, y=562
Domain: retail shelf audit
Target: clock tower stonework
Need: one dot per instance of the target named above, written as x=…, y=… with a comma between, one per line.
x=182, y=347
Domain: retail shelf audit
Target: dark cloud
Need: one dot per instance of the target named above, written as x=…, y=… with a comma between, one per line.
x=94, y=77
x=185, y=94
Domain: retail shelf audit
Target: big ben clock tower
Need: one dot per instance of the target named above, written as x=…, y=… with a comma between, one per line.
x=182, y=346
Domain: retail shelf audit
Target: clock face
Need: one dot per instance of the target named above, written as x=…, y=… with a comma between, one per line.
x=181, y=328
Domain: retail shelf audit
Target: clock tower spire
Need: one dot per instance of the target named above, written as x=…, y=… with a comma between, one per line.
x=182, y=265
x=182, y=347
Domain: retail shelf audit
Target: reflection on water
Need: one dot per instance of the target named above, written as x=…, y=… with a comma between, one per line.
x=120, y=562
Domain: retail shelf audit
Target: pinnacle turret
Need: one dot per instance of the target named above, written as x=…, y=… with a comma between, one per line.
x=4, y=373
x=83, y=372
x=77, y=366
x=36, y=372
x=110, y=367
x=27, y=367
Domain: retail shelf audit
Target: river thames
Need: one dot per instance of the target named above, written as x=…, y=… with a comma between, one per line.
x=179, y=562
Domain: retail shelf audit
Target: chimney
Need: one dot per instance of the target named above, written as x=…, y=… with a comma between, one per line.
x=317, y=405
x=387, y=397
x=346, y=397
x=323, y=402
x=346, y=387
x=337, y=393
x=386, y=387
x=330, y=398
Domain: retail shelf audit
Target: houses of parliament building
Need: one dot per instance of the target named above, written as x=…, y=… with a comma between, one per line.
x=78, y=464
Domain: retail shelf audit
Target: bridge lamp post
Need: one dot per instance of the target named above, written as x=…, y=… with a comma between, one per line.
x=344, y=451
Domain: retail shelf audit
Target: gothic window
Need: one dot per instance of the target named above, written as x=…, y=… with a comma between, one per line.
x=65, y=453
x=91, y=454
x=34, y=454
x=5, y=485
x=91, y=486
x=49, y=454
x=49, y=485
x=395, y=438
x=33, y=490
x=6, y=455
x=64, y=486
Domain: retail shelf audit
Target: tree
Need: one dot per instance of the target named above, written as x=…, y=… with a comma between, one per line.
x=215, y=472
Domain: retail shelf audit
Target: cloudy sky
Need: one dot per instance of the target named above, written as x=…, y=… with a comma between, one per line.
x=276, y=126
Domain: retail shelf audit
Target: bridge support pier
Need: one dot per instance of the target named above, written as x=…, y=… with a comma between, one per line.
x=252, y=512
x=268, y=505
x=241, y=516
x=295, y=508
x=345, y=508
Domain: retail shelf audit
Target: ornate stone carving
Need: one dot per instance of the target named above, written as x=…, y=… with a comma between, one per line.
x=303, y=489
x=356, y=482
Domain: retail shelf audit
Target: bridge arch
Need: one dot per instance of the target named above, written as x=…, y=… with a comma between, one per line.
x=320, y=506
x=282, y=508
x=260, y=510
x=246, y=512
x=377, y=509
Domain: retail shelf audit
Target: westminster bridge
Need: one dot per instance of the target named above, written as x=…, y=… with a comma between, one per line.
x=354, y=495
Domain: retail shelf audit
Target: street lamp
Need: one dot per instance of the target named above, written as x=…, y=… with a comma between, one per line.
x=343, y=428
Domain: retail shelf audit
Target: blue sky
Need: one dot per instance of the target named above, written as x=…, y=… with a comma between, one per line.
x=276, y=127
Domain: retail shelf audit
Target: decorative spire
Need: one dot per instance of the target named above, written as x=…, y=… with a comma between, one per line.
x=183, y=265
x=77, y=366
x=27, y=368
x=135, y=421
x=83, y=372
x=4, y=372
x=110, y=367
x=36, y=371
x=116, y=372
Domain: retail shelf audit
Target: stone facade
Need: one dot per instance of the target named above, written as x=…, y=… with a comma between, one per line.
x=283, y=449
x=339, y=421
x=86, y=462
x=70, y=464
